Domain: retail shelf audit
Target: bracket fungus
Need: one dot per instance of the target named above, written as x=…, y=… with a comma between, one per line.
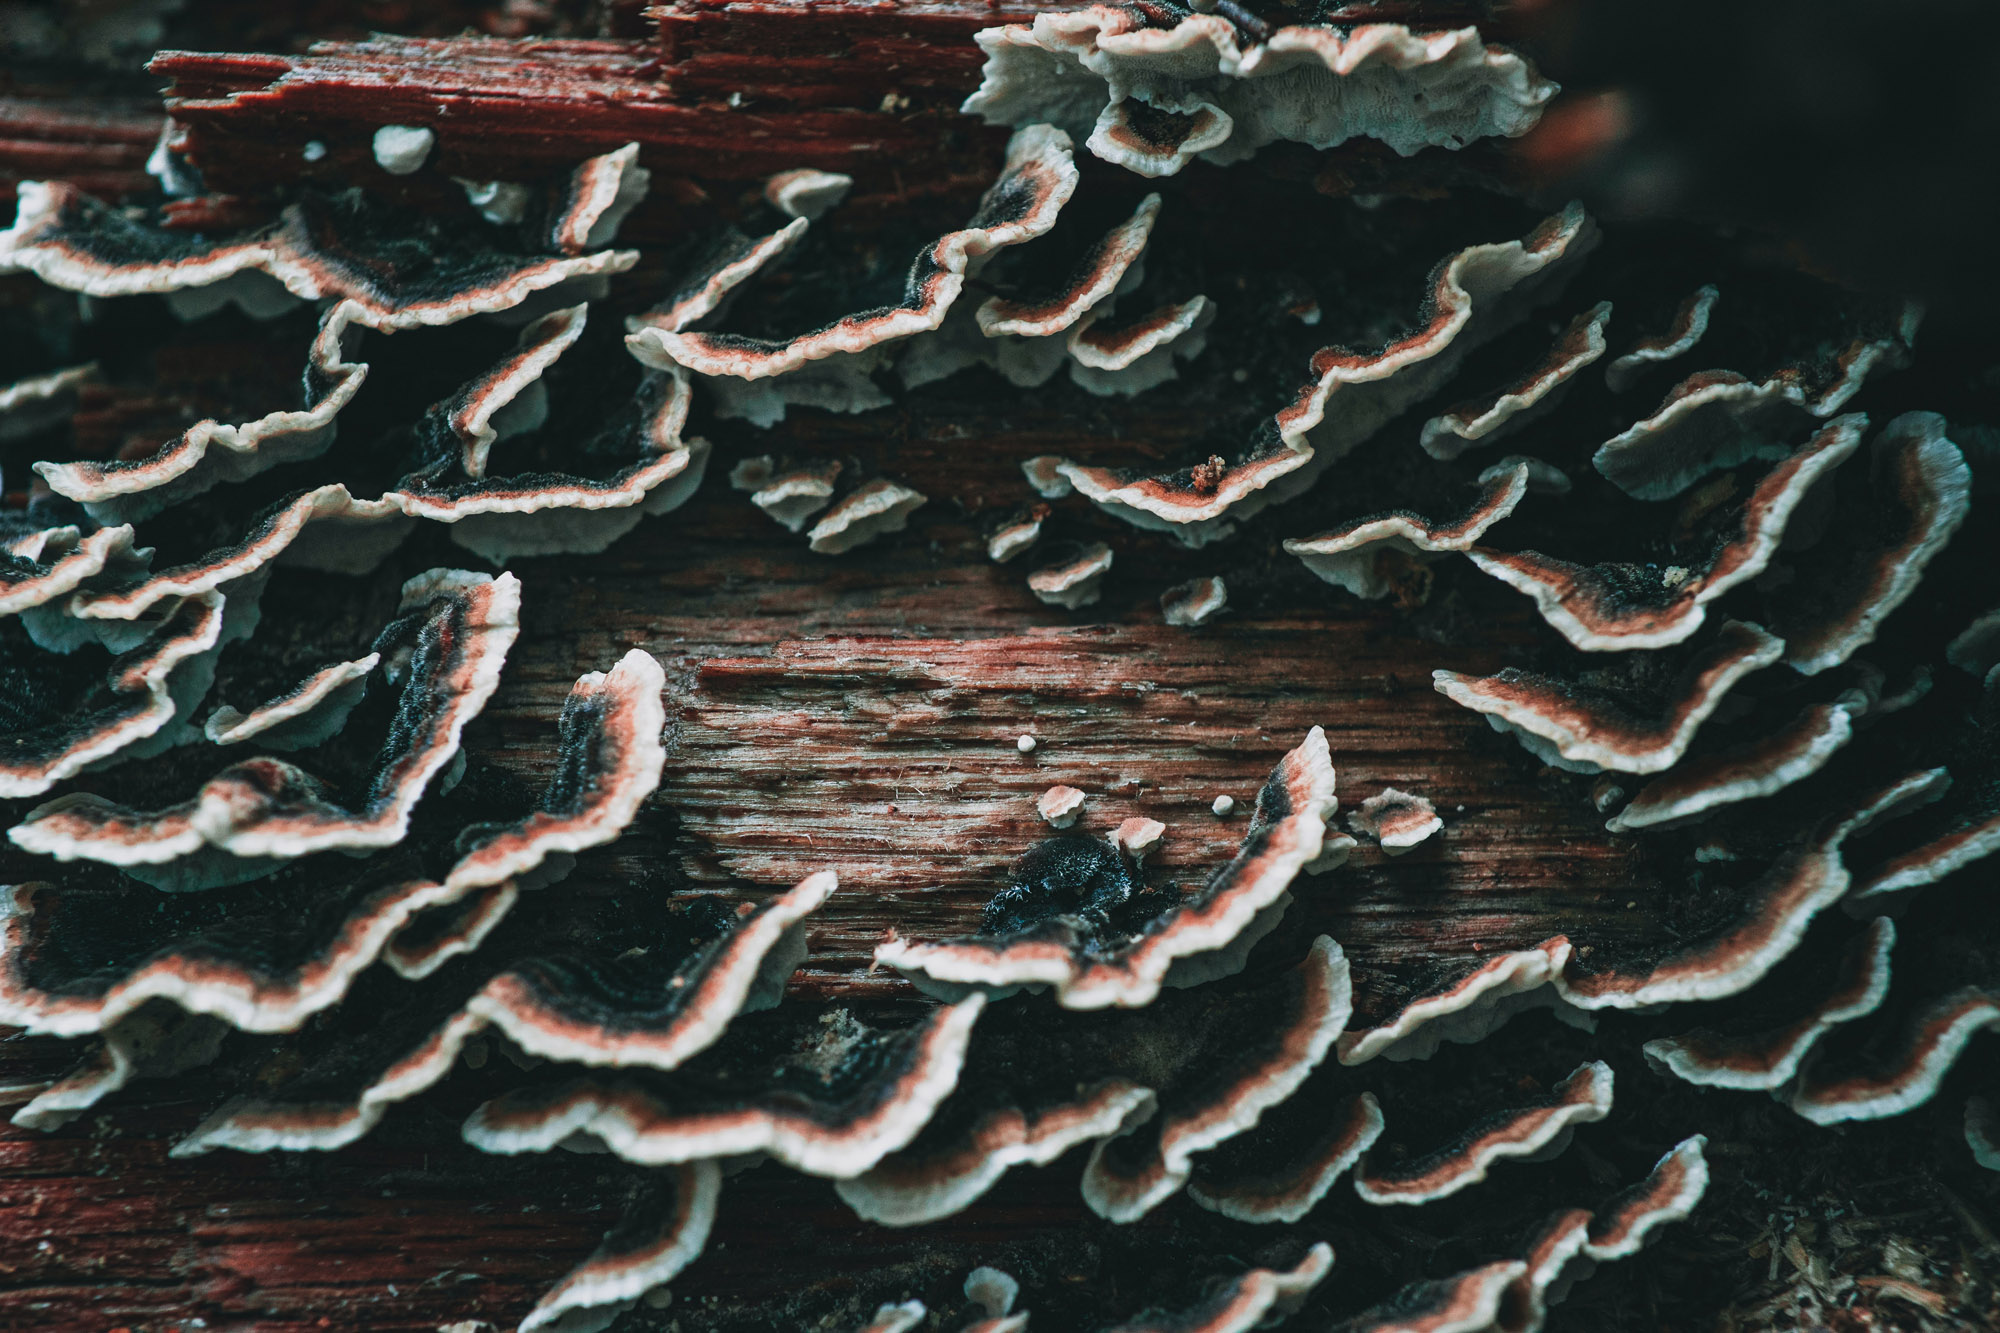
x=1153, y=89
x=1397, y=820
x=1080, y=919
x=298, y=864
x=1530, y=1132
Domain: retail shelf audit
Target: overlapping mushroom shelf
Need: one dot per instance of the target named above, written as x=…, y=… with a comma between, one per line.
x=721, y=841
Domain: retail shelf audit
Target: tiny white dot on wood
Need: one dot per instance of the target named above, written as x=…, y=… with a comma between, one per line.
x=1223, y=805
x=1026, y=745
x=401, y=149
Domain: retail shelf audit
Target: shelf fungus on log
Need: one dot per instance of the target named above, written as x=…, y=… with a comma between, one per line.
x=1080, y=919
x=1532, y=1132
x=1754, y=1056
x=1464, y=1007
x=1958, y=827
x=1016, y=533
x=1258, y=1299
x=1320, y=1152
x=1588, y=729
x=870, y=510
x=1715, y=420
x=789, y=494
x=1621, y=606
x=210, y=453
x=302, y=716
x=1891, y=526
x=1038, y=180
x=825, y=1099
x=1473, y=296
x=1941, y=999
x=254, y=957
x=1167, y=1082
x=445, y=651
x=1382, y=554
x=1097, y=275
x=320, y=248
x=1397, y=820
x=1076, y=582
x=1687, y=328
x=1195, y=602
x=1750, y=770
x=1153, y=89
x=1481, y=421
x=66, y=719
x=1768, y=919
x=1133, y=357
x=1143, y=1165
x=44, y=564
x=580, y=1005
x=662, y=1232
x=1739, y=634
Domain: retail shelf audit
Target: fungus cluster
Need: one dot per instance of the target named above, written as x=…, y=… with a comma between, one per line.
x=375, y=909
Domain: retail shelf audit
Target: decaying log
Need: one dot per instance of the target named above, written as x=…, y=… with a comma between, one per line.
x=896, y=712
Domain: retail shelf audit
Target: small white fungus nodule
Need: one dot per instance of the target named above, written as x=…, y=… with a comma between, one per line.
x=1223, y=805
x=401, y=149
x=313, y=151
x=1026, y=745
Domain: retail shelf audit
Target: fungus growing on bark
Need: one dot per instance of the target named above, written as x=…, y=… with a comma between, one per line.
x=1474, y=295
x=833, y=1108
x=635, y=1007
x=1837, y=605
x=1188, y=1071
x=1537, y=1130
x=1016, y=533
x=1195, y=602
x=447, y=646
x=1776, y=909
x=250, y=956
x=1744, y=772
x=1291, y=1190
x=64, y=729
x=1482, y=420
x=302, y=716
x=662, y=1232
x=1151, y=91
x=869, y=511
x=1716, y=419
x=1094, y=279
x=792, y=495
x=1073, y=583
x=315, y=251
x=573, y=1007
x=1464, y=1008
x=47, y=563
x=1588, y=730
x=1134, y=357
x=1687, y=327
x=1037, y=181
x=1059, y=806
x=806, y=192
x=1397, y=820
x=1079, y=919
x=1136, y=1169
x=1368, y=556
x=1765, y=1058
x=1614, y=607
x=1257, y=1299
